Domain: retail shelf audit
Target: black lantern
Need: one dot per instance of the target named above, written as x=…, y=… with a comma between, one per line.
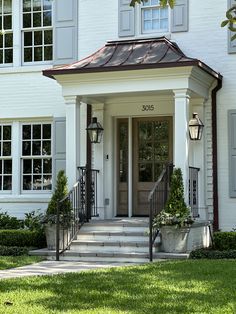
x=195, y=128
x=95, y=131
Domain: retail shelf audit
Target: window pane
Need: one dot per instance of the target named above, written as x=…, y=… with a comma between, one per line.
x=8, y=40
x=46, y=131
x=47, y=166
x=155, y=2
x=145, y=172
x=37, y=5
x=46, y=147
x=47, y=18
x=26, y=132
x=38, y=38
x=26, y=20
x=48, y=53
x=47, y=4
x=7, y=132
x=0, y=182
x=164, y=24
x=37, y=182
x=36, y=148
x=164, y=13
x=7, y=8
x=37, y=131
x=7, y=167
x=26, y=182
x=147, y=14
x=1, y=161
x=38, y=54
x=26, y=5
x=28, y=39
x=27, y=55
x=6, y=150
x=7, y=182
x=37, y=20
x=37, y=166
x=26, y=148
x=27, y=166
x=8, y=56
x=1, y=41
x=48, y=37
x=47, y=182
x=7, y=22
x=1, y=56
x=155, y=24
x=155, y=14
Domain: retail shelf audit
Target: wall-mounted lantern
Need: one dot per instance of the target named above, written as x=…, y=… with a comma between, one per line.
x=195, y=128
x=95, y=131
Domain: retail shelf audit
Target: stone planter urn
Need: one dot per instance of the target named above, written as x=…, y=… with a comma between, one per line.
x=174, y=240
x=50, y=231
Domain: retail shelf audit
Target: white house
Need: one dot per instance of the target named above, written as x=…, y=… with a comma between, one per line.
x=142, y=72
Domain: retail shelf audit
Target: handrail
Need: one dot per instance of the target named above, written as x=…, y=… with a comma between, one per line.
x=157, y=199
x=78, y=206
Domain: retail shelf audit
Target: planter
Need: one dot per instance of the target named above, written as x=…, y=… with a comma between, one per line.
x=174, y=240
x=50, y=231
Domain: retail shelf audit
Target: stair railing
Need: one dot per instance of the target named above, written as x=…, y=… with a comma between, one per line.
x=157, y=200
x=77, y=207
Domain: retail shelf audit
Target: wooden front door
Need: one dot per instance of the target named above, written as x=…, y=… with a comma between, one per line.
x=152, y=149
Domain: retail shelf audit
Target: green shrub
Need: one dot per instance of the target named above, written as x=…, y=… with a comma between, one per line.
x=212, y=254
x=8, y=222
x=13, y=250
x=22, y=238
x=224, y=241
x=33, y=221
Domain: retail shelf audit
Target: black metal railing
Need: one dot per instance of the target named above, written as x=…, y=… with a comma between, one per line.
x=157, y=199
x=193, y=191
x=77, y=207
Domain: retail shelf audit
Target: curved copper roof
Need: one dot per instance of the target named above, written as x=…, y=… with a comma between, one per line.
x=130, y=55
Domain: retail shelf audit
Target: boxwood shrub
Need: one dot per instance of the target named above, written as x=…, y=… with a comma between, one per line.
x=212, y=254
x=13, y=250
x=224, y=241
x=22, y=238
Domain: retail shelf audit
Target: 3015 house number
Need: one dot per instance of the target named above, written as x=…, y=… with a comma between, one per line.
x=148, y=108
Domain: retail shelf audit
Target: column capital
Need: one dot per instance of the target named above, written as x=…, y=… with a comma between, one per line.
x=182, y=93
x=72, y=99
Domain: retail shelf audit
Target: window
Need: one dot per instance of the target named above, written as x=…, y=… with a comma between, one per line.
x=6, y=33
x=37, y=30
x=5, y=158
x=36, y=157
x=154, y=18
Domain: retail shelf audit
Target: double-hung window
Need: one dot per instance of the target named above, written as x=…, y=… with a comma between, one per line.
x=154, y=18
x=5, y=157
x=6, y=32
x=37, y=31
x=36, y=157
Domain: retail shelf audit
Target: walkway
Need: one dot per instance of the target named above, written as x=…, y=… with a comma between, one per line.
x=52, y=268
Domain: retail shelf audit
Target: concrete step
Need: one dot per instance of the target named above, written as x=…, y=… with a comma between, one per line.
x=110, y=246
x=89, y=235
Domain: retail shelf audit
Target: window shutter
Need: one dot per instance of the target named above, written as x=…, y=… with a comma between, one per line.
x=232, y=152
x=65, y=31
x=179, y=16
x=59, y=143
x=231, y=44
x=126, y=18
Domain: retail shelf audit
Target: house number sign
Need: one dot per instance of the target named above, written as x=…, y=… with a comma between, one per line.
x=148, y=108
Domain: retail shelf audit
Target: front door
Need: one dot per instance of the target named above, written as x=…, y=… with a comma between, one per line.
x=151, y=149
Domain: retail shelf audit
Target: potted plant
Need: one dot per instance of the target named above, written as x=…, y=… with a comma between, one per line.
x=50, y=217
x=174, y=220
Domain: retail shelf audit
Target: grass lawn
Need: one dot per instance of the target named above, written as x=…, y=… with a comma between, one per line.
x=17, y=261
x=204, y=286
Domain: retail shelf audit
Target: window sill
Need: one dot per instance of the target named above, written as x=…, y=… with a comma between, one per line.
x=33, y=198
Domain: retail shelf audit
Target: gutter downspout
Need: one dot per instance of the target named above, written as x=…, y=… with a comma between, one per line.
x=214, y=154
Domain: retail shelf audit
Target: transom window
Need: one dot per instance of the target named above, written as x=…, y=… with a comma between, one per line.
x=5, y=158
x=6, y=33
x=37, y=30
x=36, y=157
x=154, y=17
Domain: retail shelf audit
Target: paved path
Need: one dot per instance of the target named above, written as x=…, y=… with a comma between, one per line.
x=53, y=267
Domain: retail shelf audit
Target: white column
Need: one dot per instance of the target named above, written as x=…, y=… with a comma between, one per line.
x=130, y=170
x=98, y=149
x=181, y=136
x=72, y=138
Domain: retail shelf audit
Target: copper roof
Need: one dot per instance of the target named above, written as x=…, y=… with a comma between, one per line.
x=131, y=55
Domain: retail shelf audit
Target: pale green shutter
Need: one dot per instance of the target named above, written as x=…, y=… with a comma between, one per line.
x=232, y=152
x=65, y=35
x=231, y=44
x=59, y=145
x=179, y=16
x=126, y=20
